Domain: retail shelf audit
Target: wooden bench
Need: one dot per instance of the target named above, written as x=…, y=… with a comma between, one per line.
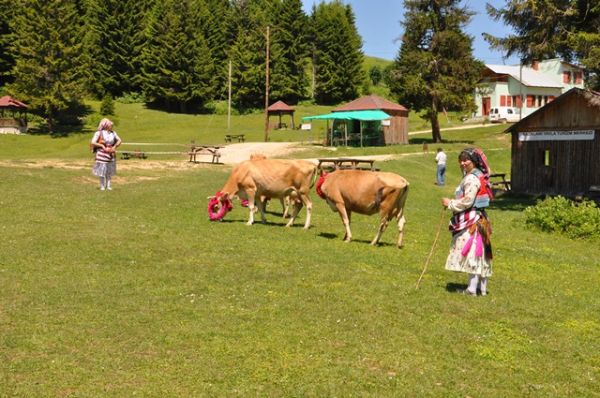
x=238, y=137
x=498, y=180
x=210, y=150
x=125, y=155
x=348, y=163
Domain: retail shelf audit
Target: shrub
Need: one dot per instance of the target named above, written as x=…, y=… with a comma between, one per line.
x=576, y=220
x=107, y=107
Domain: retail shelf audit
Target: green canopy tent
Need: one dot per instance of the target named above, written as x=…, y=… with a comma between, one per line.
x=366, y=115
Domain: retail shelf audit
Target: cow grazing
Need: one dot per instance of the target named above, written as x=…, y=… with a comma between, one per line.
x=366, y=192
x=272, y=178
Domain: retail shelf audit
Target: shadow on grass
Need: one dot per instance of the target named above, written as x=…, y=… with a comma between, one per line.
x=452, y=287
x=512, y=202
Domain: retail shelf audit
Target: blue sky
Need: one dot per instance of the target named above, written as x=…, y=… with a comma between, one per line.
x=378, y=22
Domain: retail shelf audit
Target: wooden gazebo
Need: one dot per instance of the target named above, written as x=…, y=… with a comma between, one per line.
x=13, y=116
x=394, y=132
x=280, y=108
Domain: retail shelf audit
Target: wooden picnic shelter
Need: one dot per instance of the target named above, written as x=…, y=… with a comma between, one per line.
x=279, y=109
x=13, y=116
x=395, y=130
x=555, y=150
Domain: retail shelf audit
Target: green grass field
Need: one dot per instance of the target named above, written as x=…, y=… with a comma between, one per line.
x=136, y=292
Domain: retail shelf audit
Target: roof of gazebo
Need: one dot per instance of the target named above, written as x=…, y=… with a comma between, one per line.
x=370, y=102
x=280, y=106
x=9, y=102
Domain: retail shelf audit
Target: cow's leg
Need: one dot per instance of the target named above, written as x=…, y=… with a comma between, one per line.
x=307, y=202
x=382, y=226
x=285, y=206
x=401, y=222
x=345, y=219
x=262, y=205
x=251, y=203
x=295, y=212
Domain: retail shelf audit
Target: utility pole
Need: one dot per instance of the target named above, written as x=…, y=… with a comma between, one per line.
x=267, y=90
x=520, y=89
x=229, y=99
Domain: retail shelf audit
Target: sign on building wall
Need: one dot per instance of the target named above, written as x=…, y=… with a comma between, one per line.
x=572, y=135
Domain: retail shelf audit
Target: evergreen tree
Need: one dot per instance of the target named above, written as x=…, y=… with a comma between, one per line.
x=114, y=38
x=248, y=54
x=435, y=68
x=219, y=38
x=290, y=51
x=549, y=28
x=375, y=74
x=49, y=72
x=6, y=60
x=176, y=62
x=338, y=57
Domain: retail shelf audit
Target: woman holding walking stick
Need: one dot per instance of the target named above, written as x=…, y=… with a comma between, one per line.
x=471, y=249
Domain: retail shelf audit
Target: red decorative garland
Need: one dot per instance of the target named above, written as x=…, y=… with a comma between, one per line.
x=319, y=183
x=217, y=209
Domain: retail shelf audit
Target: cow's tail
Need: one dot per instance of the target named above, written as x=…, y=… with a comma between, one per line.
x=314, y=176
x=378, y=198
x=402, y=200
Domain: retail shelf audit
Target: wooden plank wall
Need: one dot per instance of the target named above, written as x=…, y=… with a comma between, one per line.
x=574, y=166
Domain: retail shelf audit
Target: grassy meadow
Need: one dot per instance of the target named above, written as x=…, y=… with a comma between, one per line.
x=136, y=292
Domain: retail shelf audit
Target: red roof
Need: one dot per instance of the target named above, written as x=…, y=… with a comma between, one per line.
x=280, y=106
x=8, y=101
x=370, y=102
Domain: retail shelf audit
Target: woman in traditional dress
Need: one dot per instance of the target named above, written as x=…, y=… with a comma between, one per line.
x=471, y=249
x=105, y=143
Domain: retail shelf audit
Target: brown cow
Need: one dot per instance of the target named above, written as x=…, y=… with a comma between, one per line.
x=366, y=192
x=272, y=178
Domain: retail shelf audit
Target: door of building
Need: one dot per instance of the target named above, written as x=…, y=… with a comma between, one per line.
x=486, y=104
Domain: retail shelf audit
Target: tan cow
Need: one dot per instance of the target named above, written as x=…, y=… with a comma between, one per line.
x=366, y=192
x=272, y=178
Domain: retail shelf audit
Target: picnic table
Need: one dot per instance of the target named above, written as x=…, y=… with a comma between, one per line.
x=125, y=155
x=348, y=163
x=211, y=150
x=498, y=180
x=238, y=137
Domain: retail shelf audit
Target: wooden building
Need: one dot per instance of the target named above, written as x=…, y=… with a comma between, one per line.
x=13, y=116
x=556, y=149
x=395, y=130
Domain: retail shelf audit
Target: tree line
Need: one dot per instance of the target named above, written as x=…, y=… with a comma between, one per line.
x=176, y=54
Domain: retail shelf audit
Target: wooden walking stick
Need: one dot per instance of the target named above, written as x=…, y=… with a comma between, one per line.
x=437, y=235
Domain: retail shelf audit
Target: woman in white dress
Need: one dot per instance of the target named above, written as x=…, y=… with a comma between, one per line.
x=105, y=143
x=471, y=249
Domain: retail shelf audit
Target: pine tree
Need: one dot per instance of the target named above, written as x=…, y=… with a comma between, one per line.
x=435, y=68
x=550, y=28
x=219, y=38
x=290, y=51
x=114, y=39
x=176, y=62
x=49, y=72
x=338, y=57
x=6, y=60
x=248, y=54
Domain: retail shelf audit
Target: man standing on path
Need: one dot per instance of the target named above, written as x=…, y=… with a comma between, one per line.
x=440, y=159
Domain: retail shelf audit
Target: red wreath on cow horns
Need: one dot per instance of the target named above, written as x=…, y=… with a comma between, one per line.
x=218, y=209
